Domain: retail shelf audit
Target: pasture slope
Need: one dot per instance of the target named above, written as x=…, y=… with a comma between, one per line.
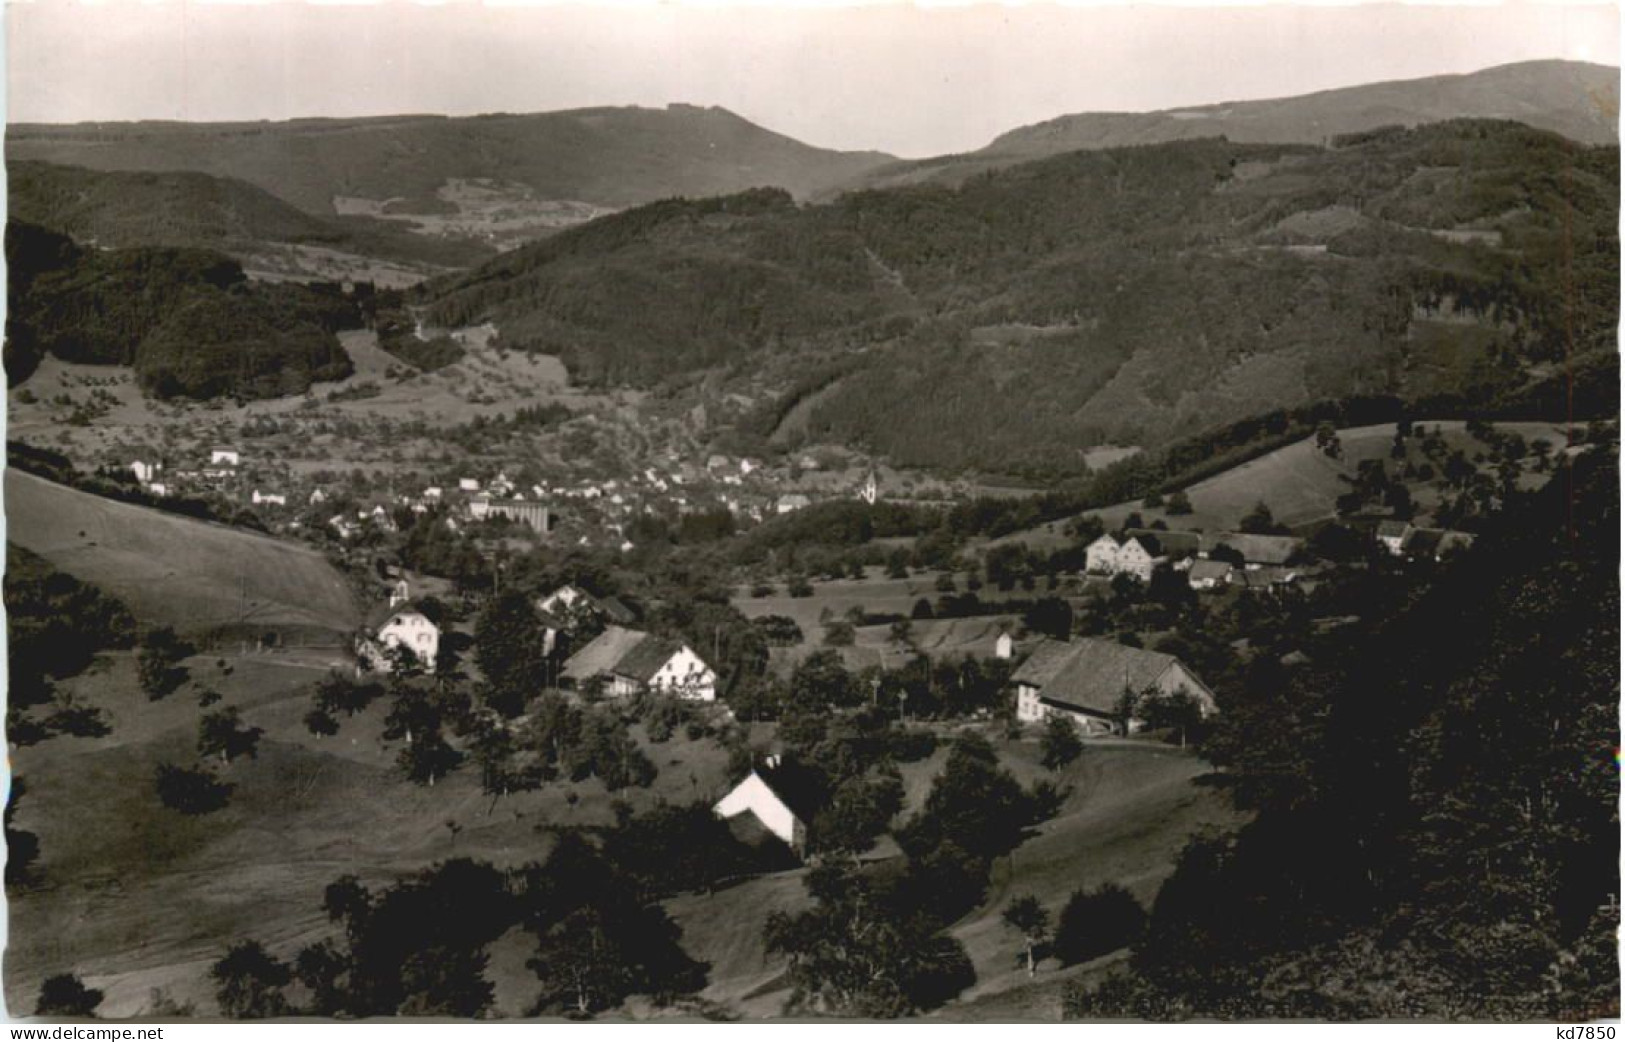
x=1297, y=482
x=193, y=575
x=133, y=896
x=1131, y=809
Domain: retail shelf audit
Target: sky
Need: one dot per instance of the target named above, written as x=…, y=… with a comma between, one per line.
x=910, y=79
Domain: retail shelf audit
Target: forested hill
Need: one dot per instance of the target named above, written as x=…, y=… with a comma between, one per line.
x=611, y=157
x=186, y=319
x=1437, y=831
x=1124, y=296
x=1579, y=100
x=186, y=209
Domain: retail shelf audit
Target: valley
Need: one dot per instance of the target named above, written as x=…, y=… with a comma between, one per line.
x=628, y=564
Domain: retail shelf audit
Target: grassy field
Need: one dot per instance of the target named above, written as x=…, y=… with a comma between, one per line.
x=878, y=595
x=171, y=570
x=133, y=896
x=1131, y=810
x=1298, y=483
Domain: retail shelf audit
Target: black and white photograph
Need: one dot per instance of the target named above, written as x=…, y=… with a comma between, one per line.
x=715, y=511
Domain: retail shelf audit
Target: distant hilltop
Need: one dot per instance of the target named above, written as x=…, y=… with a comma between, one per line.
x=1578, y=100
x=610, y=157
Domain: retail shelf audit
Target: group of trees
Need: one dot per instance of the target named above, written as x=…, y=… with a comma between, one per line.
x=56, y=625
x=874, y=943
x=421, y=947
x=186, y=319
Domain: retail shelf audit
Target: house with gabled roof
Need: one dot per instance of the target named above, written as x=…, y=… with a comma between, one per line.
x=630, y=661
x=397, y=625
x=1391, y=535
x=1086, y=679
x=1111, y=555
x=1208, y=575
x=1175, y=544
x=570, y=598
x=774, y=798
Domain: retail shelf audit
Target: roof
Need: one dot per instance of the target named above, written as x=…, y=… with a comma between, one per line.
x=796, y=787
x=1393, y=529
x=379, y=616
x=1259, y=549
x=623, y=652
x=1091, y=674
x=1423, y=541
x=1173, y=544
x=1202, y=570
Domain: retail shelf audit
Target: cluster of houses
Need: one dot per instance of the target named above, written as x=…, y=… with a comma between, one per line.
x=216, y=475
x=1403, y=539
x=1208, y=562
x=622, y=660
x=1097, y=684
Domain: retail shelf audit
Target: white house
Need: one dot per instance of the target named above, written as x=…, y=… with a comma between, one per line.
x=770, y=800
x=1110, y=556
x=269, y=498
x=403, y=627
x=145, y=472
x=791, y=501
x=468, y=484
x=630, y=661
x=1005, y=646
x=227, y=456
x=1086, y=679
x=158, y=488
x=1391, y=536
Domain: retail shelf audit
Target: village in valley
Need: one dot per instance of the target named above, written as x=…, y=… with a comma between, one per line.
x=629, y=564
x=514, y=644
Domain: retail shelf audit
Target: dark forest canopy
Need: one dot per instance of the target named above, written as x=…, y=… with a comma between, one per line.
x=187, y=320
x=1097, y=297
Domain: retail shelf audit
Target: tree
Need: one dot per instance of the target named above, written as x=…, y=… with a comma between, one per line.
x=319, y=723
x=249, y=983
x=508, y=642
x=859, y=812
x=1259, y=521
x=65, y=995
x=191, y=790
x=1099, y=921
x=860, y=952
x=973, y=804
x=428, y=758
x=1178, y=711
x=839, y=633
x=1030, y=919
x=1179, y=504
x=1061, y=743
x=1050, y=616
x=222, y=734
x=158, y=662
x=22, y=846
x=1327, y=441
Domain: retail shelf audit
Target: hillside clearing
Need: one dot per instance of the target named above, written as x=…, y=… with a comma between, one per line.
x=193, y=575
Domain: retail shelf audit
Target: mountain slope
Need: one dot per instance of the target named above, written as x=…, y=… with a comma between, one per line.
x=1576, y=99
x=1102, y=297
x=171, y=570
x=612, y=157
x=188, y=209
